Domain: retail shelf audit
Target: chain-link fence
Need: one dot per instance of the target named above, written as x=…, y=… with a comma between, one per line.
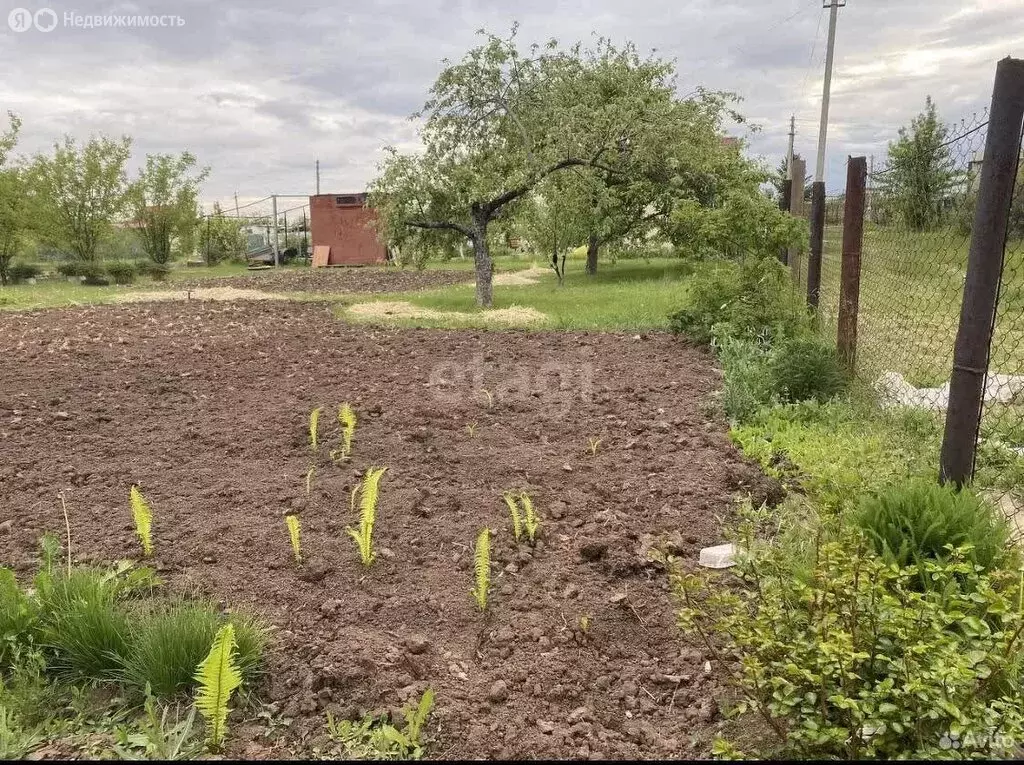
x=272, y=222
x=940, y=323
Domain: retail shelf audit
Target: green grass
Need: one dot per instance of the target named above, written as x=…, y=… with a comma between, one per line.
x=628, y=295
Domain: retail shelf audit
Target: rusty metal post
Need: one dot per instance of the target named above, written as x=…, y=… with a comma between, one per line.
x=984, y=269
x=853, y=241
x=817, y=242
x=784, y=202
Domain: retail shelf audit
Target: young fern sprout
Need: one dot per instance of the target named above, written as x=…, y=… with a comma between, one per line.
x=347, y=420
x=142, y=514
x=292, y=522
x=368, y=492
x=314, y=427
x=524, y=517
x=471, y=429
x=309, y=479
x=513, y=511
x=490, y=397
x=593, y=444
x=531, y=523
x=218, y=677
x=482, y=568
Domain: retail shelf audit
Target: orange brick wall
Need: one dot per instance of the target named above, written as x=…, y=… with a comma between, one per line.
x=346, y=230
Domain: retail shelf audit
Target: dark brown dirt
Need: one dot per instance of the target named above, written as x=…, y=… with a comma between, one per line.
x=205, y=406
x=333, y=280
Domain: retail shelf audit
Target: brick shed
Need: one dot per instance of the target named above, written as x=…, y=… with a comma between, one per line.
x=343, y=222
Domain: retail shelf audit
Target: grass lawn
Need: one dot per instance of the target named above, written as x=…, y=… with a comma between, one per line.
x=629, y=295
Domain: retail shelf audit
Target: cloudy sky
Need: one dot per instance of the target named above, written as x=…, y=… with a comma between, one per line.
x=260, y=89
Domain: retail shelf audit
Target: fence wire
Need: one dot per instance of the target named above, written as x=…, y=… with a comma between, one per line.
x=999, y=462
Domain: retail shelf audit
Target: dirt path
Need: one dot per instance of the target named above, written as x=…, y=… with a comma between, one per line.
x=205, y=405
x=332, y=280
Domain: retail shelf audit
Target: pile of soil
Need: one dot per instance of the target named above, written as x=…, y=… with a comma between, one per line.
x=333, y=280
x=205, y=405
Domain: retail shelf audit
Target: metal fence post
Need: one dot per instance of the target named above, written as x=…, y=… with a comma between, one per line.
x=277, y=248
x=784, y=203
x=853, y=240
x=984, y=269
x=817, y=243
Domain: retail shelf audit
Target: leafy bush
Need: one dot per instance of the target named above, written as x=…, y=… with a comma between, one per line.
x=806, y=368
x=18, y=617
x=853, y=660
x=741, y=300
x=156, y=271
x=95, y=274
x=920, y=520
x=122, y=271
x=70, y=268
x=21, y=271
x=168, y=641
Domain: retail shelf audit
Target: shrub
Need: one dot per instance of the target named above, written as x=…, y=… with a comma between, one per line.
x=122, y=271
x=70, y=268
x=806, y=368
x=741, y=300
x=21, y=271
x=920, y=520
x=168, y=641
x=95, y=274
x=853, y=660
x=18, y=617
x=156, y=271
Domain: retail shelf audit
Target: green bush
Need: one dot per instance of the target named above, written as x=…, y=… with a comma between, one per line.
x=742, y=300
x=168, y=641
x=95, y=274
x=851, y=659
x=18, y=617
x=920, y=520
x=70, y=268
x=21, y=270
x=157, y=271
x=122, y=271
x=806, y=368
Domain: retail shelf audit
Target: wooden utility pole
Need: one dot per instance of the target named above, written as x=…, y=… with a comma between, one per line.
x=853, y=241
x=818, y=189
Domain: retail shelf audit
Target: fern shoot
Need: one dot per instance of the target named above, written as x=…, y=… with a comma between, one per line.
x=482, y=568
x=218, y=677
x=143, y=516
x=314, y=427
x=530, y=520
x=309, y=479
x=347, y=420
x=294, y=531
x=368, y=493
x=513, y=510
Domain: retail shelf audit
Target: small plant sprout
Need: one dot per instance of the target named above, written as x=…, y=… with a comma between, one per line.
x=471, y=429
x=218, y=678
x=489, y=396
x=524, y=517
x=482, y=568
x=347, y=420
x=314, y=427
x=143, y=517
x=367, y=492
x=513, y=511
x=593, y=444
x=294, y=531
x=309, y=479
x=531, y=523
x=585, y=624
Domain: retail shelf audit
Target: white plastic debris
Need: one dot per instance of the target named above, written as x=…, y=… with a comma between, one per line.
x=896, y=391
x=719, y=556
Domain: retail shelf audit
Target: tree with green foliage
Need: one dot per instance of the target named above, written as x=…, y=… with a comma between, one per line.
x=163, y=204
x=920, y=173
x=14, y=199
x=499, y=123
x=220, y=237
x=83, y=191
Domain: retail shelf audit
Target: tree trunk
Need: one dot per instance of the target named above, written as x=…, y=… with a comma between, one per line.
x=482, y=259
x=593, y=245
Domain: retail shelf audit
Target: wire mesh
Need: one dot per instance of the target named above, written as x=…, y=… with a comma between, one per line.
x=255, y=220
x=999, y=462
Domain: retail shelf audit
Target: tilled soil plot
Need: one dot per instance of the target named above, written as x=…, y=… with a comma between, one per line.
x=330, y=280
x=206, y=405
